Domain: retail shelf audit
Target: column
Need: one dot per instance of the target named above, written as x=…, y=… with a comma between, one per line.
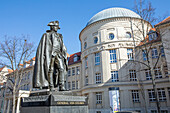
x=8, y=106
x=18, y=105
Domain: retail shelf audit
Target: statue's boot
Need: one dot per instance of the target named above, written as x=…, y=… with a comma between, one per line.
x=61, y=81
x=50, y=79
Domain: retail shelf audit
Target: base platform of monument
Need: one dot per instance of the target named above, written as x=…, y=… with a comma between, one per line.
x=54, y=102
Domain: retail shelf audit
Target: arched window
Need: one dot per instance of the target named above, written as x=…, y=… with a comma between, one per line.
x=128, y=35
x=111, y=36
x=85, y=45
x=95, y=40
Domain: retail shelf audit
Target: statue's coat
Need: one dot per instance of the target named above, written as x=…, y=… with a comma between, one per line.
x=43, y=58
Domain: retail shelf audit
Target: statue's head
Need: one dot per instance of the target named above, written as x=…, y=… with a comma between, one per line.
x=54, y=25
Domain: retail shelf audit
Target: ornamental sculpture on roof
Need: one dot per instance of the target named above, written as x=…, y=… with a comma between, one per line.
x=51, y=65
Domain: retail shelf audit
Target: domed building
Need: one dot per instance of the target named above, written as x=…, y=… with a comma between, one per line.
x=107, y=43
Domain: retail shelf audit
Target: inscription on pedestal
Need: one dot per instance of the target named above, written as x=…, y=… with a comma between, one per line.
x=35, y=98
x=70, y=103
x=61, y=98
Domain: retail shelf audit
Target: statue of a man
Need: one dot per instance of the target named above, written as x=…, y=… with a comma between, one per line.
x=51, y=60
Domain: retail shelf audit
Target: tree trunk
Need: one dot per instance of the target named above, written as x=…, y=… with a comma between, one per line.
x=13, y=103
x=155, y=90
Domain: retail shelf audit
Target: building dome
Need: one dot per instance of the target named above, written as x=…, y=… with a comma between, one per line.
x=111, y=13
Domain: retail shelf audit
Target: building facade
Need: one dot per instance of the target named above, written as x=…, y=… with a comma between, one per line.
x=110, y=69
x=107, y=43
x=113, y=74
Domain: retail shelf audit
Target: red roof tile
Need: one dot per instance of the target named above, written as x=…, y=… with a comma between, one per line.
x=147, y=41
x=21, y=64
x=164, y=21
x=71, y=58
x=33, y=59
x=10, y=70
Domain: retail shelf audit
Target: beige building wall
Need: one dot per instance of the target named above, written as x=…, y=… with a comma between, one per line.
x=25, y=86
x=119, y=27
x=74, y=78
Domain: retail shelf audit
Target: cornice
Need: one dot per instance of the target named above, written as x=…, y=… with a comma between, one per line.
x=110, y=20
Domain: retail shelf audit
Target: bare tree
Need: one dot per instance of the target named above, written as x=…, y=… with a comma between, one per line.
x=13, y=52
x=146, y=11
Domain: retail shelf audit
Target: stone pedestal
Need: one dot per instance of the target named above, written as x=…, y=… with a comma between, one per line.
x=54, y=102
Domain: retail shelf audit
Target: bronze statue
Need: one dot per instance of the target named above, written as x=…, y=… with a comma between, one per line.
x=51, y=60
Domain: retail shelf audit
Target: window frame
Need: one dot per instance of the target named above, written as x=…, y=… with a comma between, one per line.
x=154, y=52
x=111, y=36
x=158, y=73
x=86, y=81
x=151, y=95
x=69, y=72
x=114, y=76
x=85, y=45
x=75, y=58
x=132, y=75
x=97, y=58
x=98, y=78
x=128, y=35
x=113, y=56
x=98, y=97
x=135, y=95
x=77, y=82
x=161, y=94
x=148, y=74
x=86, y=62
x=130, y=53
x=73, y=85
x=162, y=51
x=77, y=70
x=144, y=55
x=96, y=40
x=73, y=71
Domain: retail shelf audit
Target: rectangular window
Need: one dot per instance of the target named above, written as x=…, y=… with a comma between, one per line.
x=86, y=81
x=130, y=54
x=69, y=72
x=153, y=111
x=114, y=75
x=166, y=70
x=154, y=53
x=144, y=55
x=29, y=73
x=69, y=85
x=73, y=85
x=135, y=95
x=86, y=62
x=97, y=58
x=151, y=95
x=73, y=71
x=77, y=70
x=77, y=83
x=169, y=92
x=98, y=111
x=98, y=98
x=132, y=74
x=164, y=111
x=98, y=78
x=113, y=56
x=158, y=73
x=148, y=74
x=162, y=51
x=161, y=94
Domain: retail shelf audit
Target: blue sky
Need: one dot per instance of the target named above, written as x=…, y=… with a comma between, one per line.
x=30, y=17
